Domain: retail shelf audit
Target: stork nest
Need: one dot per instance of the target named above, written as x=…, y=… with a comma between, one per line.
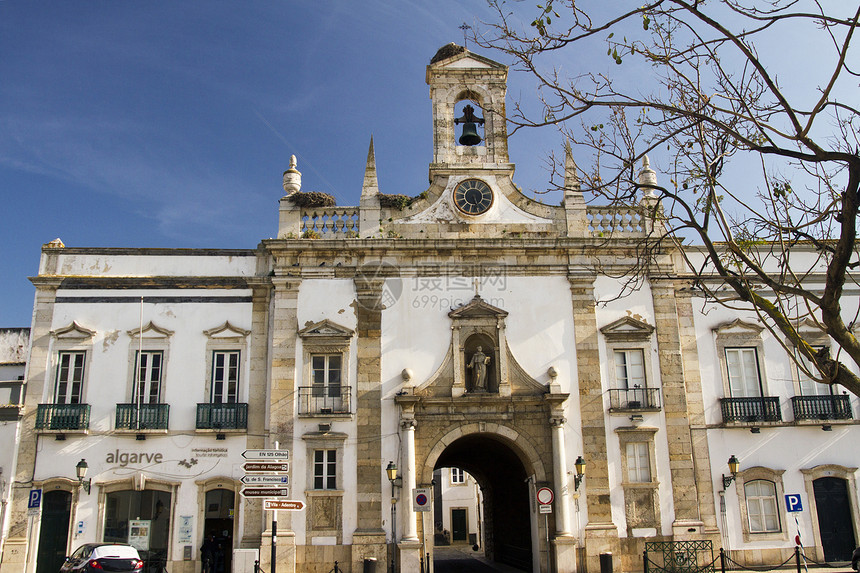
x=311, y=199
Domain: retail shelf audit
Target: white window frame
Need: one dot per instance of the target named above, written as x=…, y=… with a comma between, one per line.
x=69, y=394
x=458, y=476
x=226, y=338
x=638, y=462
x=625, y=382
x=147, y=375
x=325, y=469
x=757, y=507
x=746, y=382
x=73, y=339
x=230, y=375
x=757, y=473
x=736, y=335
x=325, y=386
x=151, y=338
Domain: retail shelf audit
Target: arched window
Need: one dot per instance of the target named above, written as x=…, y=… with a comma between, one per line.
x=762, y=509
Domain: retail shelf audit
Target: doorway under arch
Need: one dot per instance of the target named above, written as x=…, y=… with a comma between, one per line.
x=504, y=482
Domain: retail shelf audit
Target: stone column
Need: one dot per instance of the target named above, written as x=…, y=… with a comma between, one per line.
x=15, y=550
x=410, y=528
x=601, y=533
x=369, y=536
x=409, y=546
x=284, y=335
x=252, y=509
x=562, y=491
x=684, y=487
x=696, y=411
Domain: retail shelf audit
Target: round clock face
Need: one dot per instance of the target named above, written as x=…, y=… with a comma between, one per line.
x=473, y=197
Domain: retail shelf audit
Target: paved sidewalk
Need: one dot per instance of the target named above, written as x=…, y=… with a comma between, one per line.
x=461, y=558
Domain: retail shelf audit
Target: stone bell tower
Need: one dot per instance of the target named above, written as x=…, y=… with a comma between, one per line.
x=456, y=76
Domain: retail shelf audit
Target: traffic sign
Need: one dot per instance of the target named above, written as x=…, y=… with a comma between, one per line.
x=793, y=502
x=266, y=454
x=255, y=479
x=266, y=467
x=421, y=499
x=544, y=508
x=266, y=492
x=283, y=504
x=545, y=496
x=35, y=500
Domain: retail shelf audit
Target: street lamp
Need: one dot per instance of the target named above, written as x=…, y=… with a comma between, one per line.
x=579, y=464
x=396, y=481
x=81, y=472
x=734, y=466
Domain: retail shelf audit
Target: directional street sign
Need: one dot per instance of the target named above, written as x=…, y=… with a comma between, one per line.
x=283, y=504
x=266, y=454
x=265, y=492
x=255, y=479
x=266, y=467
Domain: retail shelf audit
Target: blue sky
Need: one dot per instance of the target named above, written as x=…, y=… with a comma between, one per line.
x=167, y=124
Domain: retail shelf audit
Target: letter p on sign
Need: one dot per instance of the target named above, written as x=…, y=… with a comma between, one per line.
x=793, y=503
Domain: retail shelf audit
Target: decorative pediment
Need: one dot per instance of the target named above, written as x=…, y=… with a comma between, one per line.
x=458, y=57
x=74, y=331
x=226, y=330
x=150, y=330
x=477, y=308
x=627, y=329
x=326, y=329
x=738, y=327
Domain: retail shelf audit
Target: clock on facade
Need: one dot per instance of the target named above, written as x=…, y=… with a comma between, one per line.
x=473, y=197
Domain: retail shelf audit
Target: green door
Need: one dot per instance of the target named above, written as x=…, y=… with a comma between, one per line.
x=54, y=531
x=459, y=531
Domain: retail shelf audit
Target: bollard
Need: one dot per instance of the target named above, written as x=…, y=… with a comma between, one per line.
x=370, y=565
x=606, y=563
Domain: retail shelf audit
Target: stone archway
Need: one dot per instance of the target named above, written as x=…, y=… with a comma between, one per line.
x=504, y=482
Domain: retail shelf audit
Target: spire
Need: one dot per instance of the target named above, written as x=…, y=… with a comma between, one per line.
x=571, y=179
x=292, y=177
x=370, y=185
x=647, y=179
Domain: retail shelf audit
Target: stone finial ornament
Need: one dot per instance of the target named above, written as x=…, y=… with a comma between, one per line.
x=370, y=186
x=647, y=179
x=571, y=179
x=292, y=177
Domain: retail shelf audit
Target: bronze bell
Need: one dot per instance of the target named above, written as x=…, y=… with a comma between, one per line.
x=470, y=134
x=470, y=131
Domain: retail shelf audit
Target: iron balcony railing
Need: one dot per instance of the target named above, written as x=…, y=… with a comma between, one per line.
x=324, y=400
x=229, y=416
x=63, y=417
x=835, y=407
x=144, y=417
x=634, y=399
x=762, y=409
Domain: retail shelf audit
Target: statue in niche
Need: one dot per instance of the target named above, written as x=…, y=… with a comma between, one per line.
x=478, y=364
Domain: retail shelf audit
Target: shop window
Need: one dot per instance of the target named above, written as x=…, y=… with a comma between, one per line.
x=141, y=519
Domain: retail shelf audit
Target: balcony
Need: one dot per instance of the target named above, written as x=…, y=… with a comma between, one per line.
x=833, y=407
x=230, y=416
x=634, y=400
x=144, y=417
x=323, y=400
x=750, y=410
x=10, y=400
x=59, y=418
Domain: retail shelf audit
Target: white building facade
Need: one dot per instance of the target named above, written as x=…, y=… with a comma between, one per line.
x=467, y=327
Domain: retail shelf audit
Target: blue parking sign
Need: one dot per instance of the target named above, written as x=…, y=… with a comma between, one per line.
x=793, y=503
x=35, y=499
